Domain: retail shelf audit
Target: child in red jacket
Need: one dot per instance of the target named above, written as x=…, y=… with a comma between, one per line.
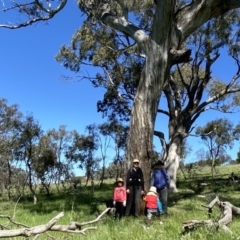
x=153, y=205
x=119, y=198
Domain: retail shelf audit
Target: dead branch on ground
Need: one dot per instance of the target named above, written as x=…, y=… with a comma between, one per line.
x=227, y=211
x=72, y=227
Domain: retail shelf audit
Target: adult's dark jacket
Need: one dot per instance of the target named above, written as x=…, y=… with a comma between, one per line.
x=135, y=178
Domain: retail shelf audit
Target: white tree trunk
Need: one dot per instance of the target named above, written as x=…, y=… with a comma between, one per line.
x=172, y=164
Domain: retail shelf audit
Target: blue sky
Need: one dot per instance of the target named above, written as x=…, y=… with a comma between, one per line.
x=31, y=77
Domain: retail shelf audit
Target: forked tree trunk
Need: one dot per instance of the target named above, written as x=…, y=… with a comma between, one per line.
x=146, y=101
x=145, y=109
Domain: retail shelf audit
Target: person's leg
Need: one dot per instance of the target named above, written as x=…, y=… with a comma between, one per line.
x=129, y=201
x=164, y=199
x=158, y=217
x=120, y=210
x=117, y=211
x=149, y=216
x=137, y=200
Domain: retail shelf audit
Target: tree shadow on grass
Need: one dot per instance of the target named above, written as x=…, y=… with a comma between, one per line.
x=206, y=186
x=79, y=200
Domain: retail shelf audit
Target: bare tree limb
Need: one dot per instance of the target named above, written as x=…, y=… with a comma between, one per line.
x=200, y=11
x=227, y=210
x=32, y=19
x=73, y=227
x=27, y=232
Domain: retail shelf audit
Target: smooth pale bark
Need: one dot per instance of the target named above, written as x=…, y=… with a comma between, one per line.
x=172, y=153
x=147, y=97
x=172, y=164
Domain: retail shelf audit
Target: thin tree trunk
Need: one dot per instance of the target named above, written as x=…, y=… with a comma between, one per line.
x=30, y=183
x=103, y=173
x=182, y=170
x=47, y=187
x=9, y=184
x=213, y=167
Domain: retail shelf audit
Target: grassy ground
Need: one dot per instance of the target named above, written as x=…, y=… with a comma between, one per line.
x=184, y=205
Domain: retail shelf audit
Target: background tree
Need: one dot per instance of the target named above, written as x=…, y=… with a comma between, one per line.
x=118, y=133
x=60, y=139
x=104, y=144
x=185, y=151
x=10, y=121
x=217, y=135
x=44, y=164
x=238, y=157
x=29, y=139
x=82, y=152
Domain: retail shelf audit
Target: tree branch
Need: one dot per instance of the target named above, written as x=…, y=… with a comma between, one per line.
x=160, y=135
x=27, y=232
x=51, y=13
x=193, y=15
x=180, y=56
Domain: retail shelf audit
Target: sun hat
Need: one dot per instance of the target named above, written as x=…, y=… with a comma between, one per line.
x=135, y=161
x=159, y=163
x=153, y=189
x=120, y=180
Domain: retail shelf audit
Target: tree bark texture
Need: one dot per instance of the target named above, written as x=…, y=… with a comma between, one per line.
x=143, y=115
x=172, y=164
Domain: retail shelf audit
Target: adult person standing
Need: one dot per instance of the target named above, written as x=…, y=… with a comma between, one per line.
x=135, y=188
x=160, y=179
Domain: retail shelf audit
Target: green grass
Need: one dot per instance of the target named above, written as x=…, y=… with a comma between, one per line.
x=183, y=206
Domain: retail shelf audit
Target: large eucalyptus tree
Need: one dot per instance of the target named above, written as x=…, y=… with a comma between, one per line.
x=160, y=29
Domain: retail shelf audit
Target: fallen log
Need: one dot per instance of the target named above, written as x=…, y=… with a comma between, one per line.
x=227, y=211
x=73, y=227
